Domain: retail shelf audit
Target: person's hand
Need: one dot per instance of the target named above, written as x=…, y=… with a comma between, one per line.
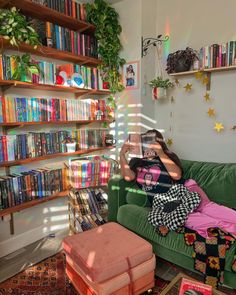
x=156, y=147
x=126, y=147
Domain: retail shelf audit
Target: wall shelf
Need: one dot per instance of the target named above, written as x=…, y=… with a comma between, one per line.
x=33, y=203
x=206, y=71
x=44, y=13
x=51, y=53
x=51, y=156
x=77, y=91
x=22, y=124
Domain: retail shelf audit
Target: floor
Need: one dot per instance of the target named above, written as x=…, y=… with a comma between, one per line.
x=31, y=254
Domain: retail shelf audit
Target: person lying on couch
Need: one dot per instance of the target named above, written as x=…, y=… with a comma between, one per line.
x=157, y=174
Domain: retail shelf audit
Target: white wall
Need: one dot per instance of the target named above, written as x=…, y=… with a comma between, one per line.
x=129, y=101
x=199, y=24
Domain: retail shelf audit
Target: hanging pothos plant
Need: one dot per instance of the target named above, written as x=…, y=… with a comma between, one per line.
x=15, y=28
x=108, y=29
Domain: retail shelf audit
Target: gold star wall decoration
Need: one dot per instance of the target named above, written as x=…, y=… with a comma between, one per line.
x=218, y=127
x=211, y=112
x=207, y=97
x=188, y=87
x=205, y=80
x=198, y=75
x=169, y=141
x=177, y=82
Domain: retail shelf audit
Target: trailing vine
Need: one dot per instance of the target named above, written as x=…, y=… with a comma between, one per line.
x=108, y=29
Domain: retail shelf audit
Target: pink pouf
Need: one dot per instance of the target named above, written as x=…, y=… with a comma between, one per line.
x=109, y=259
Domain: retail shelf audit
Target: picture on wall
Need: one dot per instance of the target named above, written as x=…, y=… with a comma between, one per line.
x=131, y=75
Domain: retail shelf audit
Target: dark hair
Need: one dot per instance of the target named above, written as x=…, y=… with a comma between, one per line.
x=170, y=154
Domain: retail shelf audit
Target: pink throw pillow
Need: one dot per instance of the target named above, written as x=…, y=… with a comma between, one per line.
x=192, y=186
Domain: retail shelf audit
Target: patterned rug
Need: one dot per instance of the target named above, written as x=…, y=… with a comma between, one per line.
x=48, y=278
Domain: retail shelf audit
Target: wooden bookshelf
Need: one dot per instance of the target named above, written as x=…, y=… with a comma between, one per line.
x=44, y=13
x=51, y=156
x=21, y=124
x=78, y=91
x=33, y=203
x=51, y=53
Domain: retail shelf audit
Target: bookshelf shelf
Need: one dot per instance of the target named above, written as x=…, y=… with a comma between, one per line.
x=22, y=124
x=37, y=159
x=44, y=13
x=221, y=69
x=77, y=91
x=33, y=203
x=51, y=53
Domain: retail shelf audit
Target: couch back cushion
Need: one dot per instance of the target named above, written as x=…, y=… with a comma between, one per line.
x=136, y=196
x=218, y=180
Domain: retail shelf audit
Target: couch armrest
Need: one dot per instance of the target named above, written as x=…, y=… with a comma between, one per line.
x=117, y=191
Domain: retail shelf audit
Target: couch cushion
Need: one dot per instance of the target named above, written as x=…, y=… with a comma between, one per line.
x=135, y=219
x=136, y=196
x=218, y=180
x=110, y=248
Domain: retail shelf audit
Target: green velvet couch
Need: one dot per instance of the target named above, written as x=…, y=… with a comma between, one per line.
x=128, y=206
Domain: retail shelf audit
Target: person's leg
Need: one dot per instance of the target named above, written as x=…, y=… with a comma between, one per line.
x=200, y=222
x=220, y=212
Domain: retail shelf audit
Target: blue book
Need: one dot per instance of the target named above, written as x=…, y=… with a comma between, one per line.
x=23, y=146
x=24, y=109
x=1, y=114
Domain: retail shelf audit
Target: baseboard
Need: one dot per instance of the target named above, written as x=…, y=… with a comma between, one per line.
x=20, y=241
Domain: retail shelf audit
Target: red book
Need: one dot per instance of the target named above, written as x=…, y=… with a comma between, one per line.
x=194, y=288
x=4, y=147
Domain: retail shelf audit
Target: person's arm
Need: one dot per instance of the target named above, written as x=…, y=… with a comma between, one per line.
x=173, y=169
x=126, y=172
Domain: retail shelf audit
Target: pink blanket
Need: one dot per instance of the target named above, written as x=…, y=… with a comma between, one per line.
x=209, y=214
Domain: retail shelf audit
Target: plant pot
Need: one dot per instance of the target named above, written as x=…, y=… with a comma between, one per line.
x=71, y=147
x=158, y=92
x=182, y=65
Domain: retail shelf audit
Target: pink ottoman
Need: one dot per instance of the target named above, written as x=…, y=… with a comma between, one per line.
x=109, y=259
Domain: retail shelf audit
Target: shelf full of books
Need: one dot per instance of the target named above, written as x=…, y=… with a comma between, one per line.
x=33, y=109
x=67, y=75
x=215, y=58
x=87, y=209
x=69, y=14
x=22, y=190
x=87, y=203
x=21, y=148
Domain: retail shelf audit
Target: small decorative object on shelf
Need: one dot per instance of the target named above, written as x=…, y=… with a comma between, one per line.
x=159, y=87
x=181, y=60
x=70, y=144
x=110, y=140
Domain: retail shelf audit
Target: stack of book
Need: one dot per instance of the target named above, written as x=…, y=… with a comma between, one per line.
x=22, y=109
x=69, y=7
x=218, y=55
x=22, y=146
x=68, y=40
x=88, y=208
x=91, y=171
x=16, y=189
x=50, y=71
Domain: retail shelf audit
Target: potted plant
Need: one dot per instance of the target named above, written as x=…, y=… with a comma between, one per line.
x=15, y=28
x=160, y=86
x=181, y=60
x=24, y=68
x=70, y=144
